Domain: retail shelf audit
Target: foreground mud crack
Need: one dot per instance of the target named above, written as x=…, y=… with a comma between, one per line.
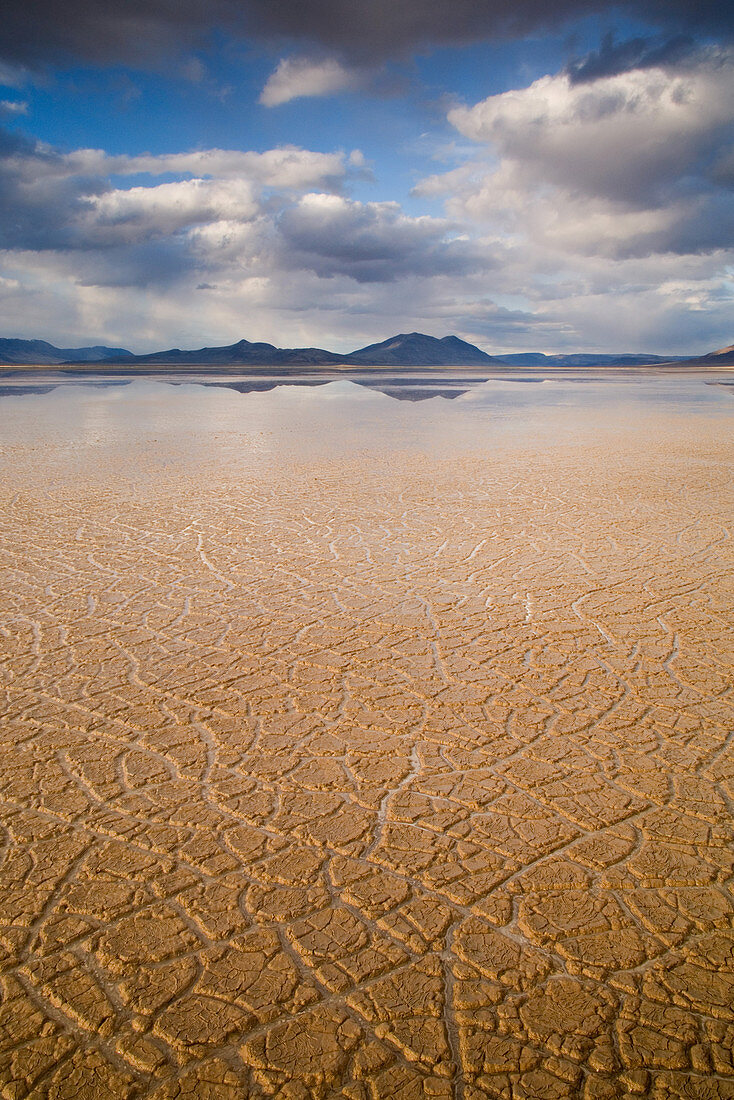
x=415, y=785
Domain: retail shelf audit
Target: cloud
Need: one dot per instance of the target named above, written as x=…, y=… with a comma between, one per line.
x=382, y=28
x=284, y=167
x=147, y=213
x=194, y=70
x=11, y=108
x=137, y=32
x=612, y=198
x=299, y=76
x=65, y=201
x=642, y=52
x=13, y=76
x=372, y=242
x=621, y=136
x=53, y=200
x=241, y=212
x=628, y=164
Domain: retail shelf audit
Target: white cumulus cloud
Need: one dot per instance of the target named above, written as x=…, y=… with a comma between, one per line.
x=628, y=164
x=618, y=136
x=287, y=166
x=147, y=213
x=300, y=76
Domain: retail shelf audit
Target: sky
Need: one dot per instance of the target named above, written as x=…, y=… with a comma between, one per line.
x=526, y=174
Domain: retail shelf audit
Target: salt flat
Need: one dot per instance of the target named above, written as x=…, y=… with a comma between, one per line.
x=364, y=750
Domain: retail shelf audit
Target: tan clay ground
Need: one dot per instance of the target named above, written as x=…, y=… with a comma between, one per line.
x=372, y=784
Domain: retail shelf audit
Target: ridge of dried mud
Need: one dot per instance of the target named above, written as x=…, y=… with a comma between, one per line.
x=410, y=782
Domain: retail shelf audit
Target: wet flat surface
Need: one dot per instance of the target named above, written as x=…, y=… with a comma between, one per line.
x=367, y=749
x=405, y=383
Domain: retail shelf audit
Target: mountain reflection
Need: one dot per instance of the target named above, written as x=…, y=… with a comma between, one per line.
x=407, y=387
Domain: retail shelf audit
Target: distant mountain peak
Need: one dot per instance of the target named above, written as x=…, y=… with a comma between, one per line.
x=415, y=349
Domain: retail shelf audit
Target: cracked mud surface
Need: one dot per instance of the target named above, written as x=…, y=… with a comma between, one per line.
x=398, y=782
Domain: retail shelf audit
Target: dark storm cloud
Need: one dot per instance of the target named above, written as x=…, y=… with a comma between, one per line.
x=14, y=144
x=143, y=31
x=614, y=57
x=371, y=242
x=39, y=197
x=153, y=265
x=706, y=227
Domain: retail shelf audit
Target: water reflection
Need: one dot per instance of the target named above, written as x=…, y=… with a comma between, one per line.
x=410, y=385
x=142, y=424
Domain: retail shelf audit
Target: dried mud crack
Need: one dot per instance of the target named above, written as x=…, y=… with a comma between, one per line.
x=396, y=784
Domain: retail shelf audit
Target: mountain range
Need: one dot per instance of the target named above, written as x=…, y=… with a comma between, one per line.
x=405, y=350
x=39, y=353
x=412, y=349
x=585, y=359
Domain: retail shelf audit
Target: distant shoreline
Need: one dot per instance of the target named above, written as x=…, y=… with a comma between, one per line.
x=143, y=370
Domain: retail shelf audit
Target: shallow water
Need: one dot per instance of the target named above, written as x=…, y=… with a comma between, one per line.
x=210, y=421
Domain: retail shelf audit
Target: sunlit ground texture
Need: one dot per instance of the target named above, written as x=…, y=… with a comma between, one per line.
x=396, y=769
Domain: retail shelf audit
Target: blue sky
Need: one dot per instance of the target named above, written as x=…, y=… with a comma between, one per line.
x=529, y=177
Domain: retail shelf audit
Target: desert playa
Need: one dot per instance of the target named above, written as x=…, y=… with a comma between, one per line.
x=367, y=749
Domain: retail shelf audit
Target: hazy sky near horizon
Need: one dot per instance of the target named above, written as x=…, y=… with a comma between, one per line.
x=526, y=174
